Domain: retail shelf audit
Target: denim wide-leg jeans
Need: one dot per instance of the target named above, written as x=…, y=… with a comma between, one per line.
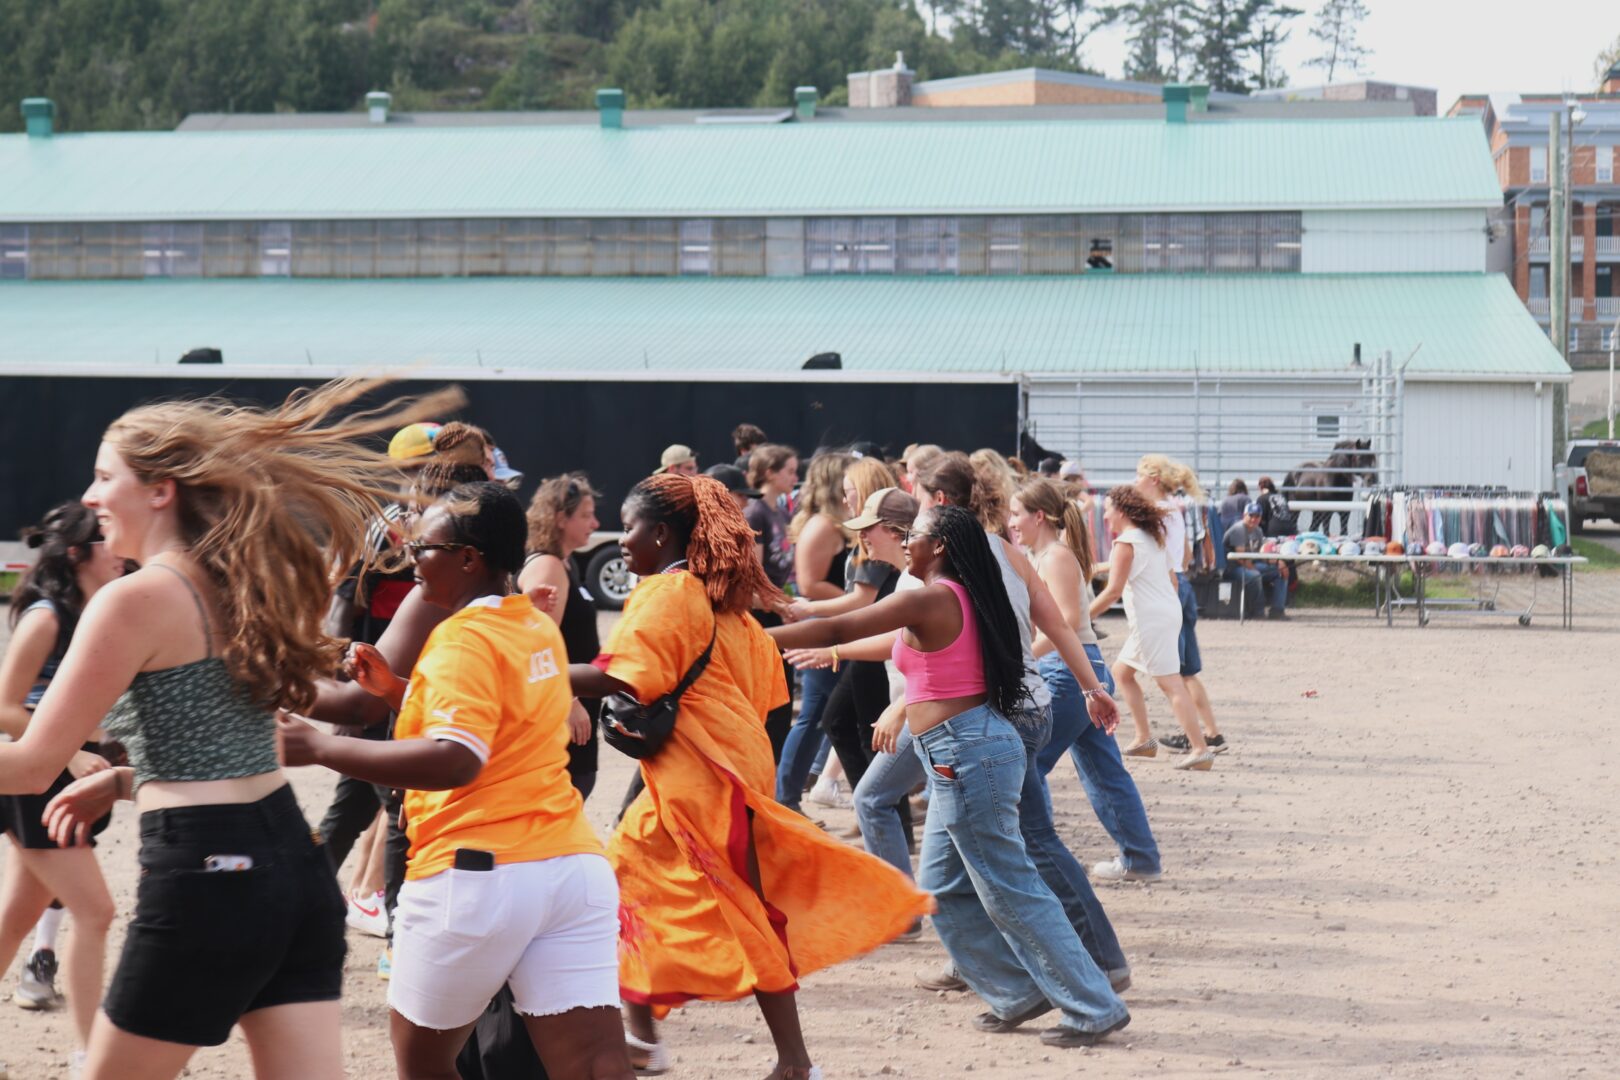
x=1009, y=936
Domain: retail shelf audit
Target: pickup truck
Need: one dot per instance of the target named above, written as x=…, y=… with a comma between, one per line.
x=1591, y=481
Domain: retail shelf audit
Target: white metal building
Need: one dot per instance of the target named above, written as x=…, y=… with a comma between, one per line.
x=1243, y=294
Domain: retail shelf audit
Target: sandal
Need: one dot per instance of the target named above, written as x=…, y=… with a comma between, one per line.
x=1197, y=762
x=1147, y=748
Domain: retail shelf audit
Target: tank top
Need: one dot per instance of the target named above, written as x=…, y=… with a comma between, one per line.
x=47, y=670
x=578, y=623
x=193, y=722
x=955, y=671
x=1018, y=593
x=1085, y=631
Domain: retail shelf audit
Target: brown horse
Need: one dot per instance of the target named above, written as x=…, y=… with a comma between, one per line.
x=1333, y=480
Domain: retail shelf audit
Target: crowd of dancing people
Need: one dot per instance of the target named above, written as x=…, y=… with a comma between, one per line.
x=242, y=590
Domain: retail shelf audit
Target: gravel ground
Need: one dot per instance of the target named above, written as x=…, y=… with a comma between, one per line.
x=1404, y=867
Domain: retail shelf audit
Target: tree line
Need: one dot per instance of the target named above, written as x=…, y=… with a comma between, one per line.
x=146, y=64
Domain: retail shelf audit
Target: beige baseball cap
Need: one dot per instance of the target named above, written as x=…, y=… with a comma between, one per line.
x=889, y=506
x=675, y=455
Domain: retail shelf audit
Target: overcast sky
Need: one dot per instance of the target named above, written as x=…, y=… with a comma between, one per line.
x=1454, y=46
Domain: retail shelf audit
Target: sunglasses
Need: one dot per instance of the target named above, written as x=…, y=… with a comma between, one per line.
x=414, y=548
x=912, y=534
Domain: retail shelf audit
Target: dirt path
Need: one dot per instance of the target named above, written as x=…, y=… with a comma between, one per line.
x=1411, y=873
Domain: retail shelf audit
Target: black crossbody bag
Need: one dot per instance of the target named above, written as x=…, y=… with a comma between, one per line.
x=640, y=731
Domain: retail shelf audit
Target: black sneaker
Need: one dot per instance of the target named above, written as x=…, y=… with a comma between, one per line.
x=1182, y=745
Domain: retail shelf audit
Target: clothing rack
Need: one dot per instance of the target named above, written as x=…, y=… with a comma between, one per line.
x=1468, y=515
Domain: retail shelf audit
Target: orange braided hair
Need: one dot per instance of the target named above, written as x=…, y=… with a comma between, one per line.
x=720, y=547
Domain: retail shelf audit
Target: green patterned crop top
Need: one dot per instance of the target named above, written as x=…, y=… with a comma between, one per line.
x=194, y=721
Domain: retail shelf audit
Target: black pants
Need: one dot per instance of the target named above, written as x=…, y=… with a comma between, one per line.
x=852, y=709
x=353, y=807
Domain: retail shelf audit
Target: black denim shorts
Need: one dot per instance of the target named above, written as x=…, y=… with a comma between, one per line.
x=206, y=946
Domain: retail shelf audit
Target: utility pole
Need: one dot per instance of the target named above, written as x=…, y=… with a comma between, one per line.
x=1558, y=265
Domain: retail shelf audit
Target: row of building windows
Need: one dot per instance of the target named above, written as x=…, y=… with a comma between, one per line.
x=609, y=247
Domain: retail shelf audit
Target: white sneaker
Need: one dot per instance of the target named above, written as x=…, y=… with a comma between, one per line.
x=1114, y=871
x=368, y=914
x=37, y=987
x=830, y=792
x=76, y=1065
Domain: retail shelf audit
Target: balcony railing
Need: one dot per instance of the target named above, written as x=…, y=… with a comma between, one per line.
x=1608, y=308
x=1541, y=308
x=1608, y=247
x=1541, y=247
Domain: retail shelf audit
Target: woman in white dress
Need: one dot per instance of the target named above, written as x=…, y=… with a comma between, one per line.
x=1139, y=570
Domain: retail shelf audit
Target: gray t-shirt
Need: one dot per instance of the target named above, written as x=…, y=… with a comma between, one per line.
x=1239, y=537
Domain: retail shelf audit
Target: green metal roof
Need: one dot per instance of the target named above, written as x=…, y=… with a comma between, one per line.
x=732, y=170
x=1464, y=323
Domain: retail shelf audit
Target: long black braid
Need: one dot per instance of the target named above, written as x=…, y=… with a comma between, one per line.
x=971, y=562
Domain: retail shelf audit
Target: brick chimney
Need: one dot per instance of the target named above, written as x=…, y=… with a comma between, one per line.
x=1611, y=81
x=886, y=88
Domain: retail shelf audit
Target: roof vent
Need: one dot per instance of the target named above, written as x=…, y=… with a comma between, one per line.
x=377, y=103
x=610, y=103
x=804, y=101
x=1176, y=98
x=39, y=115
x=827, y=361
x=203, y=355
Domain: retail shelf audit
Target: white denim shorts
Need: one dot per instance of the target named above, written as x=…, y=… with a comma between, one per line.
x=549, y=928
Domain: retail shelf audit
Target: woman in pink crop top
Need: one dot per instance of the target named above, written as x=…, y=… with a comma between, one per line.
x=961, y=653
x=959, y=646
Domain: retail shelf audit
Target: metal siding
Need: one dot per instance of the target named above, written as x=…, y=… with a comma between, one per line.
x=1393, y=241
x=1233, y=429
x=742, y=170
x=1477, y=433
x=1454, y=323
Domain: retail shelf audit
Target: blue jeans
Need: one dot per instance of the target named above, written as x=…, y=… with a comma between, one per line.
x=1192, y=662
x=1095, y=754
x=1254, y=580
x=1053, y=860
x=1007, y=934
x=805, y=738
x=889, y=778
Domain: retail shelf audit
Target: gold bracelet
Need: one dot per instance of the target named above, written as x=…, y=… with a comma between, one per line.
x=835, y=659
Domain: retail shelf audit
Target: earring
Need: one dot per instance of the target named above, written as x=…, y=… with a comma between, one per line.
x=660, y=543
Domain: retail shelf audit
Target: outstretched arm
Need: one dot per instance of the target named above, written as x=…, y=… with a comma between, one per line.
x=418, y=764
x=893, y=613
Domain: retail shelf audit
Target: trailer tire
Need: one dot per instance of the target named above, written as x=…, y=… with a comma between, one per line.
x=607, y=578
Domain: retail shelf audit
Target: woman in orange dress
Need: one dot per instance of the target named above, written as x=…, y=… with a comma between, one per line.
x=723, y=891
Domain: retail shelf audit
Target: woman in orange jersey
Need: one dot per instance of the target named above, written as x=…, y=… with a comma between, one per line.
x=723, y=892
x=506, y=883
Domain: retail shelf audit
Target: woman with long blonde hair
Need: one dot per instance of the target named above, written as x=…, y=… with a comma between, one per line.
x=1053, y=530
x=1175, y=489
x=820, y=548
x=237, y=515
